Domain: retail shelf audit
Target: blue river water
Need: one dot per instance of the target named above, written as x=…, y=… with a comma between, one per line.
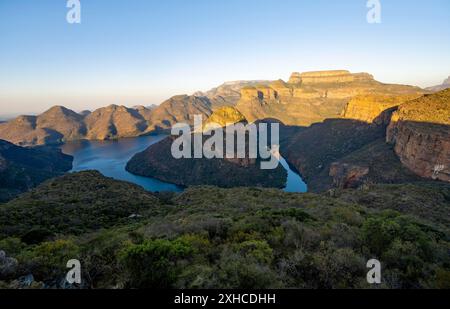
x=111, y=157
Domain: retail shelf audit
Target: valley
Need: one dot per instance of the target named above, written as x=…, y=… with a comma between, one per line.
x=363, y=173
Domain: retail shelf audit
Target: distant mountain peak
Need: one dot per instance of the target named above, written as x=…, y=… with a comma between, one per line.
x=443, y=86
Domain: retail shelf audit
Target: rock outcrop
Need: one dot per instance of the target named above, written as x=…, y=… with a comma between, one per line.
x=375, y=108
x=420, y=133
x=374, y=163
x=229, y=93
x=223, y=117
x=347, y=175
x=330, y=77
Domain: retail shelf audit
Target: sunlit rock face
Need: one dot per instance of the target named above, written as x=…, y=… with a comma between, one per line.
x=375, y=108
x=420, y=131
x=223, y=117
x=312, y=97
x=322, y=77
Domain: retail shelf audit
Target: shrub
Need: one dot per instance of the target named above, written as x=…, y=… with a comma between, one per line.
x=153, y=264
x=48, y=260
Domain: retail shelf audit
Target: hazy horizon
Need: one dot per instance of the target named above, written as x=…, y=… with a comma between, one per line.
x=138, y=54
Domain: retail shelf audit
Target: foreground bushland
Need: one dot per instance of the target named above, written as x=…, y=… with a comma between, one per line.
x=208, y=237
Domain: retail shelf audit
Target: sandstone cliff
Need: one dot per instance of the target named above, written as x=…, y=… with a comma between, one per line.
x=312, y=97
x=420, y=133
x=323, y=77
x=375, y=108
x=229, y=93
x=223, y=117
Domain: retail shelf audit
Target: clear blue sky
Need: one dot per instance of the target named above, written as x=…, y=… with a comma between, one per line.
x=144, y=51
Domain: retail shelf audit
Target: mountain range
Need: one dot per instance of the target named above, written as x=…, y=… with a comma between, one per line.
x=305, y=99
x=357, y=143
x=376, y=158
x=338, y=129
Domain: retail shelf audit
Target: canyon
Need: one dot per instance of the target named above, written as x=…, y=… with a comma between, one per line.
x=338, y=129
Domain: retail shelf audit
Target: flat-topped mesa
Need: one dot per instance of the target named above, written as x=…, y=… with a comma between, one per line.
x=322, y=77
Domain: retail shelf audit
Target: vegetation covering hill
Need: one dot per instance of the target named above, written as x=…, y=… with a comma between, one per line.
x=158, y=162
x=75, y=204
x=59, y=124
x=313, y=150
x=208, y=237
x=22, y=169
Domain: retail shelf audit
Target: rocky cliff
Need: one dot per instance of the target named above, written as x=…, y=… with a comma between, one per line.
x=420, y=133
x=229, y=93
x=373, y=108
x=223, y=117
x=330, y=77
x=312, y=97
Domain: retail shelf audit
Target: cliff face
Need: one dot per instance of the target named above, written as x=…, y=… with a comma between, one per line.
x=229, y=93
x=420, y=133
x=375, y=108
x=323, y=77
x=312, y=97
x=23, y=168
x=223, y=117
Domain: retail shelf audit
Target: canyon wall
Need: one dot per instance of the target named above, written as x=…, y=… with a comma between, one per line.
x=420, y=133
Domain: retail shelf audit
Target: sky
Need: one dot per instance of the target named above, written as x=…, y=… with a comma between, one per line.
x=141, y=52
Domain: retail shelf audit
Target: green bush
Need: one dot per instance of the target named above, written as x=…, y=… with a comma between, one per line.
x=48, y=260
x=153, y=264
